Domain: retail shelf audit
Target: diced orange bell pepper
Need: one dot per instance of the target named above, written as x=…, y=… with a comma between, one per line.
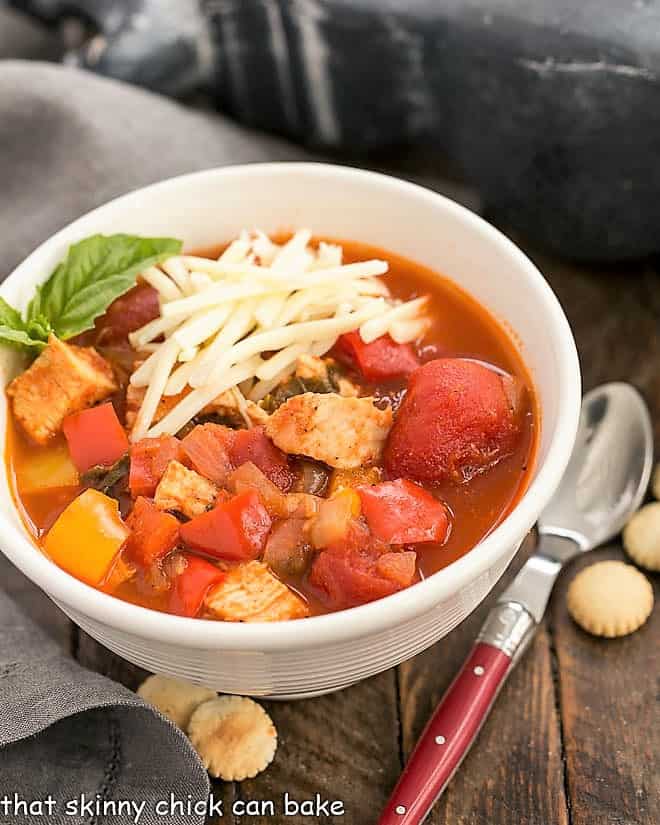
x=153, y=533
x=95, y=436
x=87, y=536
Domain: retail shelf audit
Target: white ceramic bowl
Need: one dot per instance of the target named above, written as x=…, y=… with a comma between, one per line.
x=325, y=653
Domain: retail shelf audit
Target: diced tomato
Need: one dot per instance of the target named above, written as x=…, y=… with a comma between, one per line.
x=189, y=588
x=400, y=512
x=95, y=436
x=149, y=460
x=377, y=361
x=249, y=477
x=87, y=537
x=347, y=574
x=458, y=418
x=255, y=446
x=129, y=312
x=207, y=448
x=398, y=567
x=235, y=530
x=215, y=451
x=153, y=533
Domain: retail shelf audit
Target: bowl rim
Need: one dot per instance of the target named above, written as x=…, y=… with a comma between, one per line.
x=375, y=617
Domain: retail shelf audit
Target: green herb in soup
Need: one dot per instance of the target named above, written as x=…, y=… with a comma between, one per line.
x=94, y=273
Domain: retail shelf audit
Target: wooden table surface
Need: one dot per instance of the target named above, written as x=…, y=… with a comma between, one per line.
x=574, y=737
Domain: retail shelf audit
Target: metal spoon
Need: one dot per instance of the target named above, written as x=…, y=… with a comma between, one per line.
x=604, y=484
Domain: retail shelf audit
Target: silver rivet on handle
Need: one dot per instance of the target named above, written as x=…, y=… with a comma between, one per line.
x=400, y=809
x=440, y=740
x=479, y=671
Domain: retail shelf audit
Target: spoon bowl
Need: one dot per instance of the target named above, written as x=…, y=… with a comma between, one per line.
x=608, y=472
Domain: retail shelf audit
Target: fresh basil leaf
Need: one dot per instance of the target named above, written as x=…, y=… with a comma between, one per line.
x=13, y=330
x=39, y=328
x=10, y=317
x=95, y=272
x=19, y=338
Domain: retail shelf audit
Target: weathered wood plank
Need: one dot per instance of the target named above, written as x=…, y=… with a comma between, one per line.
x=610, y=713
x=615, y=317
x=514, y=771
x=344, y=746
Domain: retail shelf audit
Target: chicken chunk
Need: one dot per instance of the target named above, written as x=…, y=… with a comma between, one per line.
x=185, y=491
x=64, y=379
x=341, y=432
x=251, y=593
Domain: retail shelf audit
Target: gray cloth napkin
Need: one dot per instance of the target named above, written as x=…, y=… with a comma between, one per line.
x=84, y=742
x=68, y=142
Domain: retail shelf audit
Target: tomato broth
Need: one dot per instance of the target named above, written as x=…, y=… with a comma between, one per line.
x=460, y=328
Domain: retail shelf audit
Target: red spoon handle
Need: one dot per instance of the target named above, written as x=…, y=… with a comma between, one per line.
x=448, y=736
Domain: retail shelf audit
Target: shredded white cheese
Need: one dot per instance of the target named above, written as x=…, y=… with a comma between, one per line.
x=219, y=318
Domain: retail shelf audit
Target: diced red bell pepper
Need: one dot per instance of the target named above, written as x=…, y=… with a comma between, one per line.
x=129, y=312
x=207, y=448
x=379, y=360
x=235, y=530
x=189, y=588
x=95, y=436
x=400, y=512
x=255, y=446
x=149, y=460
x=153, y=533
